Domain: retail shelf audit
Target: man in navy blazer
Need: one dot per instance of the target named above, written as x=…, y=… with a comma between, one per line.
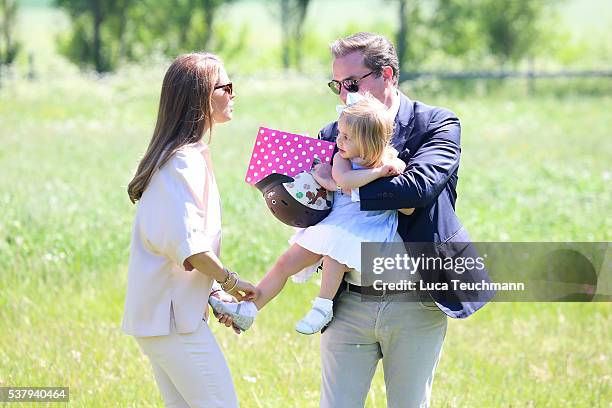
x=406, y=335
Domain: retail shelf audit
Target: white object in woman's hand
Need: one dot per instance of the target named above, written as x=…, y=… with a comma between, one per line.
x=224, y=296
x=223, y=318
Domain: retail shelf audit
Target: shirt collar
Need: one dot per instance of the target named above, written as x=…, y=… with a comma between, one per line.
x=395, y=106
x=405, y=111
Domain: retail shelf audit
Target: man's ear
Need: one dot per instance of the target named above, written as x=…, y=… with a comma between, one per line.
x=387, y=72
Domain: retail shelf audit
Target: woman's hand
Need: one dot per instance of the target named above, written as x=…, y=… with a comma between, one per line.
x=244, y=291
x=223, y=318
x=224, y=296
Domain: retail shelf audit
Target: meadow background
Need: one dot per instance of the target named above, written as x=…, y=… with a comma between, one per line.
x=535, y=167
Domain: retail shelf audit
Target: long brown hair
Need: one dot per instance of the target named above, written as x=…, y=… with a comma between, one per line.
x=185, y=113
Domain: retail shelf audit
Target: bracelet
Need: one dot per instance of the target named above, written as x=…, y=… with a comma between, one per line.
x=227, y=279
x=231, y=274
x=233, y=287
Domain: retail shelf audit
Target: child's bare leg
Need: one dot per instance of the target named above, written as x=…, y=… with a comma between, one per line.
x=291, y=262
x=333, y=272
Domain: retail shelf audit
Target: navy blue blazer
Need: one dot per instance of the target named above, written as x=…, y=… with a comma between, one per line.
x=428, y=140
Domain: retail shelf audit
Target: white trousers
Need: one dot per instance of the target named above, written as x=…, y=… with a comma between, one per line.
x=190, y=369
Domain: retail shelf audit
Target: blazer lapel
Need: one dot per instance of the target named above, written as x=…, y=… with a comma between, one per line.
x=404, y=123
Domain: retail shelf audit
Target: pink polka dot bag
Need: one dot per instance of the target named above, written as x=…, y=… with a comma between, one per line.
x=285, y=153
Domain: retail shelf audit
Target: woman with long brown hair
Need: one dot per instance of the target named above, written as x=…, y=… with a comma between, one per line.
x=176, y=239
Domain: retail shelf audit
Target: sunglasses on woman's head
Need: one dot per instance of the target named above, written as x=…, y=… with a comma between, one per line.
x=351, y=85
x=227, y=88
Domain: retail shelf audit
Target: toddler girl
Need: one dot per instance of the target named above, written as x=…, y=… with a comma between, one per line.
x=364, y=155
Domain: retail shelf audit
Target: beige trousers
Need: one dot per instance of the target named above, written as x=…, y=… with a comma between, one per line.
x=190, y=369
x=406, y=335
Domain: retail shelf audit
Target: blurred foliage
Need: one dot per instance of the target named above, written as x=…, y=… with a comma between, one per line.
x=106, y=33
x=291, y=14
x=508, y=31
x=97, y=32
x=8, y=46
x=509, y=27
x=412, y=38
x=254, y=37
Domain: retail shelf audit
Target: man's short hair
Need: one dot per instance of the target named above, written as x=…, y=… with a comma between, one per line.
x=377, y=51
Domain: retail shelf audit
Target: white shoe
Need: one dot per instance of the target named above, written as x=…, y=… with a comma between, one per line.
x=316, y=319
x=242, y=320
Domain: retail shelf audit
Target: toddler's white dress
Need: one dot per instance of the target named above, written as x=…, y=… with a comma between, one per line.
x=341, y=233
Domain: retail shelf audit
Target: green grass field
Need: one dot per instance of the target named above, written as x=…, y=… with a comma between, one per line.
x=533, y=169
x=530, y=172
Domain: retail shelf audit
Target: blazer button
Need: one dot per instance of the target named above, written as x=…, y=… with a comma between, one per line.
x=390, y=195
x=385, y=195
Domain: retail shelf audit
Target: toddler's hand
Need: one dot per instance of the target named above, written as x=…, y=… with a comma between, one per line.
x=323, y=170
x=398, y=164
x=322, y=173
x=389, y=170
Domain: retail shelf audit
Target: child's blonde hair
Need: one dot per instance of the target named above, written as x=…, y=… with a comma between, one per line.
x=369, y=123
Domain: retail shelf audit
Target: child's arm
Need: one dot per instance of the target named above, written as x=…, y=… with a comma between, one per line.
x=347, y=178
x=392, y=159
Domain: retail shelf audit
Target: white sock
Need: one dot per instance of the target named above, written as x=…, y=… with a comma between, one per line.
x=322, y=303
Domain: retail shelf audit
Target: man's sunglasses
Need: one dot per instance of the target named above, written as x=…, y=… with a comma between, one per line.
x=351, y=85
x=227, y=88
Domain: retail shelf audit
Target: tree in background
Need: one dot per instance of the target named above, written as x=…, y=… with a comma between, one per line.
x=412, y=40
x=171, y=27
x=510, y=27
x=508, y=30
x=209, y=9
x=292, y=15
x=90, y=43
x=122, y=21
x=459, y=31
x=106, y=33
x=8, y=16
x=408, y=17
